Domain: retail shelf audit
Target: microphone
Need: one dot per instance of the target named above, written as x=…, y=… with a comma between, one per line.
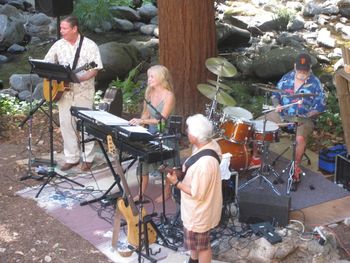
x=142, y=87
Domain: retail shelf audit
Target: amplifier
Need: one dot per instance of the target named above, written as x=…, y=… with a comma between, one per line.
x=342, y=171
x=256, y=207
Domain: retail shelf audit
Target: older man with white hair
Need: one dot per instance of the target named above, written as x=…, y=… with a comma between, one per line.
x=201, y=192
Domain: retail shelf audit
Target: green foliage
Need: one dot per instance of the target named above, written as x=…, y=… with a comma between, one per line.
x=330, y=120
x=131, y=101
x=10, y=105
x=283, y=16
x=92, y=13
x=97, y=97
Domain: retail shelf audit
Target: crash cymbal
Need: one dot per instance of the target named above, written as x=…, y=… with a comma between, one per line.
x=222, y=97
x=221, y=85
x=299, y=119
x=220, y=67
x=300, y=95
x=266, y=87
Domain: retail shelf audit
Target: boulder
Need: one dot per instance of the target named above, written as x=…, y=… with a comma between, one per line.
x=273, y=64
x=118, y=59
x=11, y=31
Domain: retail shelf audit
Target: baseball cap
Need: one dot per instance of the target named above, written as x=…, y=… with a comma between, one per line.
x=303, y=62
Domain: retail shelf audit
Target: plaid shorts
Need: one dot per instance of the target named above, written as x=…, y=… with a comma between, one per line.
x=196, y=241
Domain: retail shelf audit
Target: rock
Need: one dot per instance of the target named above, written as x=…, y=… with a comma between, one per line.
x=118, y=59
x=275, y=63
x=148, y=29
x=11, y=31
x=125, y=12
x=324, y=38
x=15, y=48
x=3, y=59
x=123, y=25
x=21, y=82
x=296, y=24
x=344, y=8
x=231, y=36
x=148, y=11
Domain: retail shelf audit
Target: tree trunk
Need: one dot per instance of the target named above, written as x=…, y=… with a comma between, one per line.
x=187, y=37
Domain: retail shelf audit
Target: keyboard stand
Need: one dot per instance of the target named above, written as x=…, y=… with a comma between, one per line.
x=115, y=175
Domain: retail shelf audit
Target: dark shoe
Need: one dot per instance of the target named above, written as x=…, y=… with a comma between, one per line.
x=254, y=163
x=68, y=166
x=294, y=186
x=86, y=166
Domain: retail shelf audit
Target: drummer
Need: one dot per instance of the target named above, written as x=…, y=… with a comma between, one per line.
x=298, y=81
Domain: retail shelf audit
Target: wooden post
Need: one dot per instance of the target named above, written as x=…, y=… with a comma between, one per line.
x=342, y=83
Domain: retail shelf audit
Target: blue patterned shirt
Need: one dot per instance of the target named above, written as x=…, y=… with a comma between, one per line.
x=311, y=85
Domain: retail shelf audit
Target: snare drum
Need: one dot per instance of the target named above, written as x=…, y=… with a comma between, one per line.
x=271, y=131
x=237, y=131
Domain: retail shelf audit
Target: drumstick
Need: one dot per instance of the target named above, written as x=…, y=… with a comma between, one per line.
x=284, y=106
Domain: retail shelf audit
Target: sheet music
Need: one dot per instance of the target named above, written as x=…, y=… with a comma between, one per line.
x=104, y=117
x=136, y=129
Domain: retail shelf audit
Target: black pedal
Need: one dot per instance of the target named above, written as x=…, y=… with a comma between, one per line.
x=266, y=230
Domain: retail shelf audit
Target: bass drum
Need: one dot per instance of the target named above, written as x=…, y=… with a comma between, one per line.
x=241, y=154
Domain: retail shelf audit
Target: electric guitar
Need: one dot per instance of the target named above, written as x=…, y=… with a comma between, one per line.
x=128, y=208
x=166, y=169
x=59, y=87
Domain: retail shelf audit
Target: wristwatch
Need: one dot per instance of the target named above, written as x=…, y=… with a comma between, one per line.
x=178, y=181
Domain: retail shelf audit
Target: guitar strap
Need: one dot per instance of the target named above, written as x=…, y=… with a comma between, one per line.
x=194, y=158
x=77, y=53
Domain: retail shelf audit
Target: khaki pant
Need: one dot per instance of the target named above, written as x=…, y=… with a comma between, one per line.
x=81, y=98
x=304, y=129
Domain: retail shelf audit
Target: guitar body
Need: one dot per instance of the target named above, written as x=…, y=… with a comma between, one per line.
x=132, y=222
x=58, y=89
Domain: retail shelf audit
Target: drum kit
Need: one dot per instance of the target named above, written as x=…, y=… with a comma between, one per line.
x=234, y=127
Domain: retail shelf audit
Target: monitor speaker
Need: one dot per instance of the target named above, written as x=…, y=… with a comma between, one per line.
x=257, y=207
x=54, y=8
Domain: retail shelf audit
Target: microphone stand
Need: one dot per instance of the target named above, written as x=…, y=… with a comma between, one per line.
x=160, y=117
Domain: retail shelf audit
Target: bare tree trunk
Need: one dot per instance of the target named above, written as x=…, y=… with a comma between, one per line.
x=187, y=38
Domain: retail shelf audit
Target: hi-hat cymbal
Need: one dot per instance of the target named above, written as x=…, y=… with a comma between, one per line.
x=221, y=96
x=266, y=87
x=300, y=95
x=220, y=67
x=221, y=85
x=299, y=119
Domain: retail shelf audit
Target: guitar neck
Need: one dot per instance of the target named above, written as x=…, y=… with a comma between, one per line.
x=126, y=188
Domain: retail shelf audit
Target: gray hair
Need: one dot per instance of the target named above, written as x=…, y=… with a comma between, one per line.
x=200, y=127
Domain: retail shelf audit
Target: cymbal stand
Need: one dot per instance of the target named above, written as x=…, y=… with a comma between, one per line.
x=214, y=102
x=265, y=168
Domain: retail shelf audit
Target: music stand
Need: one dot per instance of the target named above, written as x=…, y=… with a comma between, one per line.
x=59, y=73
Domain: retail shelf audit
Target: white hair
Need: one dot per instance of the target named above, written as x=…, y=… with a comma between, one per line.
x=200, y=127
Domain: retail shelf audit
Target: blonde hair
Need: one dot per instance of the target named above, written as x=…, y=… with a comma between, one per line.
x=164, y=75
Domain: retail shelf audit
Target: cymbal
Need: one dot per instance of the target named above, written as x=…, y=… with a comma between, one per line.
x=220, y=67
x=300, y=95
x=221, y=85
x=266, y=87
x=222, y=97
x=299, y=119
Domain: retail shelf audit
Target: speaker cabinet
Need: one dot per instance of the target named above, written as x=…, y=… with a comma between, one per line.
x=342, y=171
x=54, y=8
x=256, y=207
